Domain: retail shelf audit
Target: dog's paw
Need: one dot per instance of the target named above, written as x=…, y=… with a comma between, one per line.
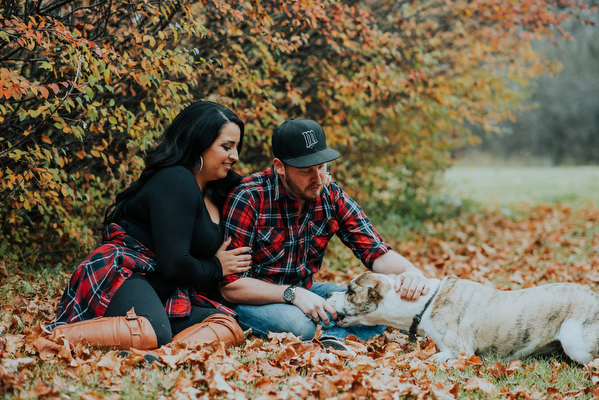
x=440, y=357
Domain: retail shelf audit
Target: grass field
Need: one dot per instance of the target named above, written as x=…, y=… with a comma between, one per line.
x=508, y=185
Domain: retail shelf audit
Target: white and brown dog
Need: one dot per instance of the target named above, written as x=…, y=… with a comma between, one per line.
x=465, y=317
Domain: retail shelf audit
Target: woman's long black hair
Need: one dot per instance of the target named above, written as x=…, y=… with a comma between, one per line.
x=191, y=132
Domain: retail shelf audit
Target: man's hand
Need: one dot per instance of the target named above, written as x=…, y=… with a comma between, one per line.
x=410, y=282
x=314, y=306
x=410, y=285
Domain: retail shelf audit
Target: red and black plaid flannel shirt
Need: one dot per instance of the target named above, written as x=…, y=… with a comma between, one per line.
x=98, y=277
x=260, y=214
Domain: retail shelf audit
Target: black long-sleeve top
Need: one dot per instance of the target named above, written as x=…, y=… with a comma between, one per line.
x=168, y=216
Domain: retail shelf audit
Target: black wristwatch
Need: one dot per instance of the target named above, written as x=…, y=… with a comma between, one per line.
x=289, y=294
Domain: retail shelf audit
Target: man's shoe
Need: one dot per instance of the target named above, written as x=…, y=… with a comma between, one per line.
x=334, y=343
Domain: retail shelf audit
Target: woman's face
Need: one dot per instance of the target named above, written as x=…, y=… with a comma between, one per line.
x=222, y=154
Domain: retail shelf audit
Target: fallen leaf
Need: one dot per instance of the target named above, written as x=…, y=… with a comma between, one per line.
x=218, y=384
x=110, y=363
x=481, y=384
x=444, y=393
x=269, y=369
x=497, y=370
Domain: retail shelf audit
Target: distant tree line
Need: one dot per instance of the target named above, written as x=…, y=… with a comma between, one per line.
x=562, y=126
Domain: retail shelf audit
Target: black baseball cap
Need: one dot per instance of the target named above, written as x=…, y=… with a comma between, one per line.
x=301, y=143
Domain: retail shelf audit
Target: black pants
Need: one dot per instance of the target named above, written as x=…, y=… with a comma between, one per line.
x=137, y=292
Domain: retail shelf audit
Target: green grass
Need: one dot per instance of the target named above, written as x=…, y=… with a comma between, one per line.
x=538, y=374
x=508, y=185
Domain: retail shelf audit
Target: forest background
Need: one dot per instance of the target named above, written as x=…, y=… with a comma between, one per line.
x=403, y=89
x=86, y=87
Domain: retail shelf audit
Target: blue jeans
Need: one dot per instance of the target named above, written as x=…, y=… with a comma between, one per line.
x=281, y=317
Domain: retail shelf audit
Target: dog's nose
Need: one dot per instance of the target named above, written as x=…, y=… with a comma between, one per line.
x=329, y=294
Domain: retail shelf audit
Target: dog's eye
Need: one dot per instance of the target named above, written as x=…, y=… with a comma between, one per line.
x=350, y=291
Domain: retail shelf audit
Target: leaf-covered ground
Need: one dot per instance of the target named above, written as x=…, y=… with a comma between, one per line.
x=505, y=249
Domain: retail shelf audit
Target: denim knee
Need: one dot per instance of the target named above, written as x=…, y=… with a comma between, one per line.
x=276, y=318
x=304, y=329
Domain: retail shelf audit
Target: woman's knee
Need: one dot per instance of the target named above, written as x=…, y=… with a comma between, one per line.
x=138, y=294
x=198, y=314
x=163, y=332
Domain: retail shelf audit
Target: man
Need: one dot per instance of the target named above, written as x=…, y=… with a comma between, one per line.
x=287, y=215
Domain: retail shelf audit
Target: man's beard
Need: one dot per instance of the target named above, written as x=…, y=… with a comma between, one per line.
x=297, y=193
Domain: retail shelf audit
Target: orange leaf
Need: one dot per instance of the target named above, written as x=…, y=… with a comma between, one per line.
x=44, y=91
x=269, y=369
x=497, y=370
x=483, y=385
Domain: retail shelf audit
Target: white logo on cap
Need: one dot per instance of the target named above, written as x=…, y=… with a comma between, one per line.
x=310, y=138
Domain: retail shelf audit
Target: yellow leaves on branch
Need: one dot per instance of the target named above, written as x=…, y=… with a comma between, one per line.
x=69, y=113
x=15, y=86
x=392, y=83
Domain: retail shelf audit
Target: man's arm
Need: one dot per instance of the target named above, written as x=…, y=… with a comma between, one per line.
x=357, y=233
x=252, y=291
x=410, y=282
x=256, y=292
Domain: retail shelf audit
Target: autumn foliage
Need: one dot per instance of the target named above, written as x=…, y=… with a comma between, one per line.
x=534, y=246
x=87, y=87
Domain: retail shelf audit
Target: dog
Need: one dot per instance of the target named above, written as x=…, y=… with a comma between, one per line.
x=467, y=318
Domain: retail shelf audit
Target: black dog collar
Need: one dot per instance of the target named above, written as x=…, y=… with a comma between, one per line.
x=418, y=317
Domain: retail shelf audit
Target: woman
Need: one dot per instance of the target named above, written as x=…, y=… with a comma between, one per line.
x=163, y=246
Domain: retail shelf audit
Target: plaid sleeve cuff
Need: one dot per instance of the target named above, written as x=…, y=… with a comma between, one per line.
x=369, y=256
x=229, y=279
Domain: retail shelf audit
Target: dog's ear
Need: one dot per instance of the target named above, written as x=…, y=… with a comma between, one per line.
x=374, y=295
x=363, y=280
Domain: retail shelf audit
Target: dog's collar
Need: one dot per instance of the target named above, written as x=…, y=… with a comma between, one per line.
x=418, y=317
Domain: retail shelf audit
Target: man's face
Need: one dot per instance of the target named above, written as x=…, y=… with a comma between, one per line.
x=303, y=183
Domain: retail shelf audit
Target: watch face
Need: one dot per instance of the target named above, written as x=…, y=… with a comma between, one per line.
x=288, y=294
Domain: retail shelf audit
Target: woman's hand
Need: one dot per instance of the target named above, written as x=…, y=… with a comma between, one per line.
x=234, y=261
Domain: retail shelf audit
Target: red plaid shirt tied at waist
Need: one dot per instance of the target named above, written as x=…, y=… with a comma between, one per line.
x=288, y=249
x=99, y=276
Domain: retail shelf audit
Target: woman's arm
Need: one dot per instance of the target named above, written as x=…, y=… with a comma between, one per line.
x=176, y=205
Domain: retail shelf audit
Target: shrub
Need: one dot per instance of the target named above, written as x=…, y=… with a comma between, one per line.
x=86, y=88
